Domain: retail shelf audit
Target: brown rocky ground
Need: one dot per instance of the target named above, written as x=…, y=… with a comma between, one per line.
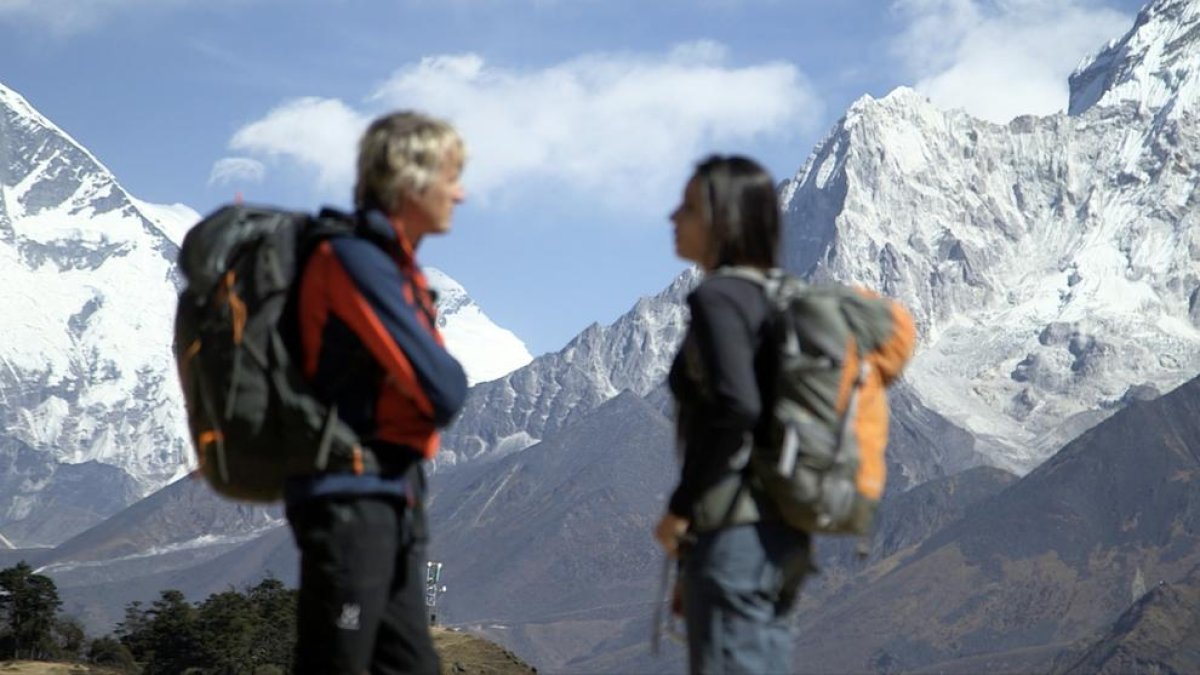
x=471, y=655
x=40, y=668
x=462, y=653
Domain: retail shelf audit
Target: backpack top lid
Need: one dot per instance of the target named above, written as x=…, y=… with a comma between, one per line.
x=205, y=254
x=879, y=323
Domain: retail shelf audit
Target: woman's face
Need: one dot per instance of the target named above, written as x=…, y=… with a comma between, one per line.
x=691, y=226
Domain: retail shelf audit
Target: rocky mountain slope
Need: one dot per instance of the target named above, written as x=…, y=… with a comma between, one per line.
x=531, y=403
x=1045, y=562
x=548, y=550
x=1159, y=633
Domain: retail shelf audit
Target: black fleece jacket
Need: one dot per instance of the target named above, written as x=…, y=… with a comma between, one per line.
x=716, y=380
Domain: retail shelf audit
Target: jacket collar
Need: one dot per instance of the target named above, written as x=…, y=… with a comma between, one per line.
x=377, y=225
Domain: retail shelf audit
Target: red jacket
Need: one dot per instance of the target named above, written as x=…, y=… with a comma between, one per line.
x=369, y=340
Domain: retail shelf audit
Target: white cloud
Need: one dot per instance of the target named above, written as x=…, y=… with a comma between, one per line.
x=1001, y=58
x=63, y=16
x=234, y=170
x=66, y=17
x=319, y=134
x=71, y=17
x=620, y=126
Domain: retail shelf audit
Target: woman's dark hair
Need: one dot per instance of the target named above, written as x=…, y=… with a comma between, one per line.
x=743, y=211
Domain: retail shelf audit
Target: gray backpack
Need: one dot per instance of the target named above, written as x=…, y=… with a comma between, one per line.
x=838, y=348
x=254, y=420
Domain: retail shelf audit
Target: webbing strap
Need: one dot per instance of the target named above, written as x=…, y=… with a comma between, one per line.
x=234, y=378
x=844, y=431
x=790, y=451
x=326, y=444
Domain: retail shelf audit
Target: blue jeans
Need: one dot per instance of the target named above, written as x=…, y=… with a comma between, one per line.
x=736, y=621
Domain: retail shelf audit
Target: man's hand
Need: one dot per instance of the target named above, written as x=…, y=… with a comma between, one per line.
x=669, y=531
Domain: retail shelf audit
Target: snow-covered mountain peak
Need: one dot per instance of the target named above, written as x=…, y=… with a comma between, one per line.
x=86, y=367
x=45, y=168
x=45, y=173
x=1052, y=262
x=86, y=371
x=22, y=110
x=486, y=350
x=1155, y=67
x=898, y=99
x=677, y=290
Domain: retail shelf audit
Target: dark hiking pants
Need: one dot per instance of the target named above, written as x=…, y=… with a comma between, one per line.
x=736, y=619
x=362, y=595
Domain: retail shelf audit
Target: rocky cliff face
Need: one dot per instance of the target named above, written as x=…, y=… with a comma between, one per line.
x=87, y=372
x=1053, y=263
x=531, y=403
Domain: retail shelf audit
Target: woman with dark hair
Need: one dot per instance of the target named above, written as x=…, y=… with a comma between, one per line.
x=736, y=554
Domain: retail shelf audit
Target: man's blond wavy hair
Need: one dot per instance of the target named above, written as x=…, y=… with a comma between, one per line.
x=399, y=155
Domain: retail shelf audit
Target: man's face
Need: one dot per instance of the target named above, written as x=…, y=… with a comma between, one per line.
x=431, y=210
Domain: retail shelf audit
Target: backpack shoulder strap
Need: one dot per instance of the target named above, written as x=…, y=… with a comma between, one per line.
x=746, y=272
x=771, y=280
x=331, y=222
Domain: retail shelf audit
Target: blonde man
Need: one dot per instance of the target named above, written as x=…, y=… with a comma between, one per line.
x=369, y=344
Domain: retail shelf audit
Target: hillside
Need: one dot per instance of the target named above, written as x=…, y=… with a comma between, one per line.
x=461, y=653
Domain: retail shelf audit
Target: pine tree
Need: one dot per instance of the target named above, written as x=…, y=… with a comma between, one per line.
x=276, y=637
x=164, y=637
x=110, y=652
x=29, y=604
x=134, y=632
x=230, y=633
x=69, y=638
x=226, y=624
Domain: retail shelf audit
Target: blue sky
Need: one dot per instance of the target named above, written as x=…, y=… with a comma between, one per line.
x=583, y=117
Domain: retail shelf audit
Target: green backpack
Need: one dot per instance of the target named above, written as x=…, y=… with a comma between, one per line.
x=254, y=420
x=838, y=348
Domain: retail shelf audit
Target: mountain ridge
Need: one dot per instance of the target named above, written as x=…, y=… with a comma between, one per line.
x=1037, y=566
